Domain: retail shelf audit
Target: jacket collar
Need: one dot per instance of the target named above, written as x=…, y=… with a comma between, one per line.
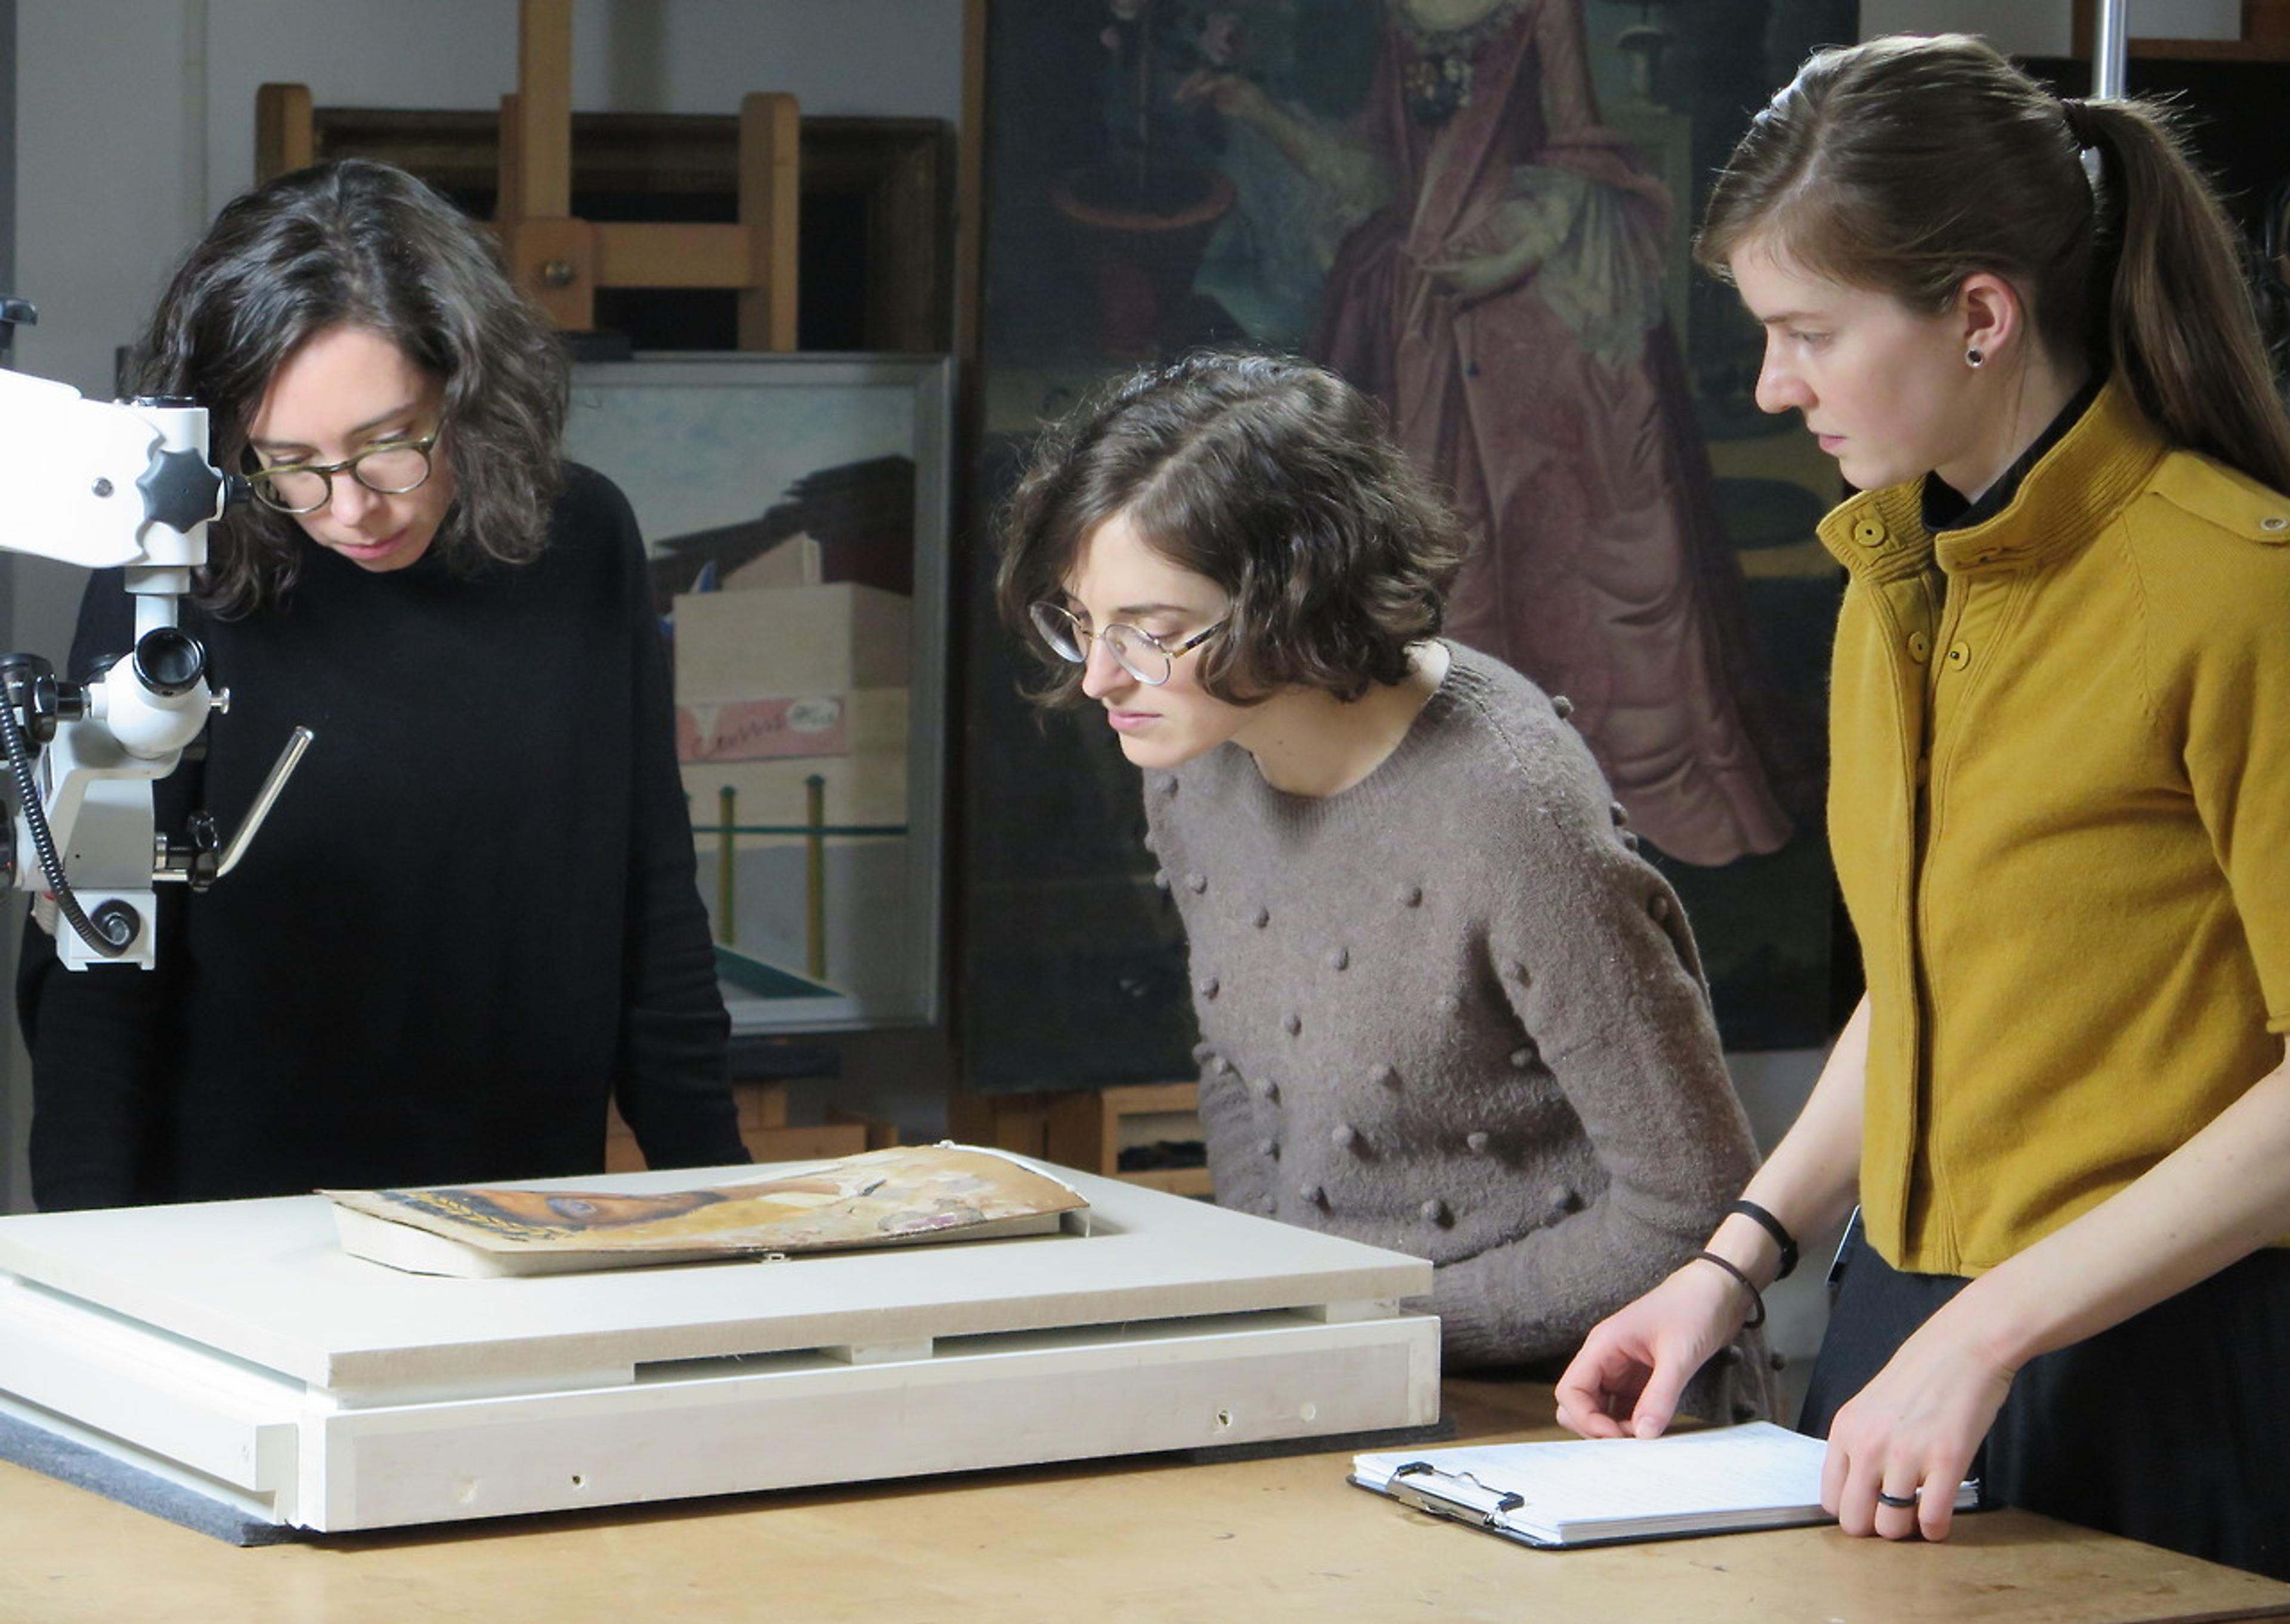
x=2073, y=489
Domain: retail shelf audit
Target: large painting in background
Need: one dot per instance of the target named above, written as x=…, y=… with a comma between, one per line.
x=794, y=511
x=1479, y=210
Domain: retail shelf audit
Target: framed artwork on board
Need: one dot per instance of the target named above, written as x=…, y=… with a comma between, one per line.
x=794, y=509
x=1480, y=211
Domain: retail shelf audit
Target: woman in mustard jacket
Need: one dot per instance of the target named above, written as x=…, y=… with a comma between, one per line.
x=2060, y=815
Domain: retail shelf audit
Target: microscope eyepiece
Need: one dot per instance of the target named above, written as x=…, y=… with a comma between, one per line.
x=169, y=660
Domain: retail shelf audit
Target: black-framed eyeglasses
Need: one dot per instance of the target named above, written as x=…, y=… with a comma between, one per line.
x=390, y=468
x=1140, y=654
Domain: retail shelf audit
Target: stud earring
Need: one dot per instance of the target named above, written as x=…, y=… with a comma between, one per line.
x=1974, y=358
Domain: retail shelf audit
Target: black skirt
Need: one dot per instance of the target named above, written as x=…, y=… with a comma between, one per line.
x=2173, y=1428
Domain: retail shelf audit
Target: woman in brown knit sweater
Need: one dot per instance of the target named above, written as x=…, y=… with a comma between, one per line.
x=1445, y=1006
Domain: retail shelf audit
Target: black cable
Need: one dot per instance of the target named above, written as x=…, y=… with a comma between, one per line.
x=28, y=789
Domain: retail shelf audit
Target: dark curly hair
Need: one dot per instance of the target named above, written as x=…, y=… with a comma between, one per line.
x=1273, y=479
x=368, y=245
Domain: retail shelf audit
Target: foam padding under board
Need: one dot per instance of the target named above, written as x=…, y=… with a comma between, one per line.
x=66, y=1460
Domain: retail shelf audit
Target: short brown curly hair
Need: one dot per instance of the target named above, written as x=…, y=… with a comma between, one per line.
x=1271, y=476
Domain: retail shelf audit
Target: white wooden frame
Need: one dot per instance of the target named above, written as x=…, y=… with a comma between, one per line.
x=234, y=1348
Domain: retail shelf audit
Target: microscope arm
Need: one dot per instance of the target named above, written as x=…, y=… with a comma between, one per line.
x=98, y=485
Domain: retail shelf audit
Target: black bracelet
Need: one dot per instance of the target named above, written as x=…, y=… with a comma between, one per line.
x=1772, y=1226
x=1756, y=1298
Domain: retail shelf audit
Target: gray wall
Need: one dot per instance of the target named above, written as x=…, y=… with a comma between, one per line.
x=2046, y=27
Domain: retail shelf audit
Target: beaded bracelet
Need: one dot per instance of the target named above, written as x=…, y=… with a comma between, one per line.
x=1756, y=1298
x=1772, y=1226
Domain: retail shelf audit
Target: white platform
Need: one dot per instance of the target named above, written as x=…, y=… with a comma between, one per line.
x=233, y=1346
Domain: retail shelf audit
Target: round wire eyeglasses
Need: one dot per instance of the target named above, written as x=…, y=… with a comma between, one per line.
x=1140, y=654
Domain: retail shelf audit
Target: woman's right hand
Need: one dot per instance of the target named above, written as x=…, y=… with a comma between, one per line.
x=1635, y=1364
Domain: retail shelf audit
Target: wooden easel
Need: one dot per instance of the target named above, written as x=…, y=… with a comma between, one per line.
x=561, y=259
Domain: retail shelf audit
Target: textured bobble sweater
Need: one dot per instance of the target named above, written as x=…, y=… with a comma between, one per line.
x=1449, y=1010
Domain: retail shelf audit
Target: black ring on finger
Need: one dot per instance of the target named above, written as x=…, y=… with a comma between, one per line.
x=1898, y=1502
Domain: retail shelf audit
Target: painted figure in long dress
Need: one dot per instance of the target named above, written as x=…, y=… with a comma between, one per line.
x=1496, y=282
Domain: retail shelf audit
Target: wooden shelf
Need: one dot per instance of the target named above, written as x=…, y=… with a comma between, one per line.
x=768, y=1135
x=1174, y=1181
x=1089, y=1129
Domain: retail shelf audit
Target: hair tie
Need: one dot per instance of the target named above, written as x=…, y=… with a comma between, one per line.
x=1751, y=1209
x=2079, y=125
x=1756, y=1298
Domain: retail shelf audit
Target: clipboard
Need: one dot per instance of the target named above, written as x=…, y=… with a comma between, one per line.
x=1570, y=1493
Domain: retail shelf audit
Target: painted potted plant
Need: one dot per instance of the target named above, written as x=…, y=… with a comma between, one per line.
x=1144, y=213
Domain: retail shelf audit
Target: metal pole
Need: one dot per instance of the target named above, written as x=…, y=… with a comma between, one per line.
x=2110, y=48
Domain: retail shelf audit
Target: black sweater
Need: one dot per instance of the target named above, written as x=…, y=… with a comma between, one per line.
x=470, y=921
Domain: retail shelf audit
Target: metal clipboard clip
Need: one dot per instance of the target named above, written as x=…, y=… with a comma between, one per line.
x=1458, y=1496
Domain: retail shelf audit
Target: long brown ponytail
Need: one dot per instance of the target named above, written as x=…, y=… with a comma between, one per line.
x=2181, y=324
x=1906, y=165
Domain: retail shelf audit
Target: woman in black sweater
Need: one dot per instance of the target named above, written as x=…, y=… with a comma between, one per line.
x=471, y=919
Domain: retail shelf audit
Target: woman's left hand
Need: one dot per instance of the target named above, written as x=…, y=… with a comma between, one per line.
x=1911, y=1432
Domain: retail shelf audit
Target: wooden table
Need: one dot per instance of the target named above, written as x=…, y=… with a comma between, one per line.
x=1153, y=1540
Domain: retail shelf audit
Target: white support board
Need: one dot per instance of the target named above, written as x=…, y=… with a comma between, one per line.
x=234, y=1346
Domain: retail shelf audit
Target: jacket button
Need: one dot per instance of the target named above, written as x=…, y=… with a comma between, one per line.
x=1206, y=987
x=1312, y=1195
x=1919, y=647
x=1267, y=1089
x=1868, y=533
x=1385, y=1076
x=1291, y=1024
x=1197, y=883
x=1479, y=1141
x=1340, y=959
x=1561, y=705
x=1959, y=655
x=1269, y=1146
x=1262, y=917
x=1435, y=1211
x=1344, y=1136
x=1658, y=907
x=2273, y=523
